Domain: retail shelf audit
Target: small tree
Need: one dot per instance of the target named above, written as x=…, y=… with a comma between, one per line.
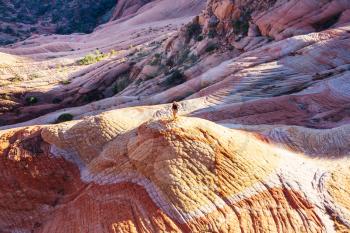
x=64, y=117
x=30, y=100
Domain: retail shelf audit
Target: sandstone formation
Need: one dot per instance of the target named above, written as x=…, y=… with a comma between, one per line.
x=88, y=143
x=126, y=8
x=173, y=176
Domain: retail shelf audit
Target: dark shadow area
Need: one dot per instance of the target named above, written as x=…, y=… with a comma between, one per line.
x=19, y=19
x=326, y=23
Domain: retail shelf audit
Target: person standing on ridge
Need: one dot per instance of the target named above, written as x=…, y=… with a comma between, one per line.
x=175, y=109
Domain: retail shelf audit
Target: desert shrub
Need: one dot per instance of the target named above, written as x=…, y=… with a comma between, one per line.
x=55, y=17
x=199, y=38
x=193, y=30
x=326, y=23
x=93, y=96
x=241, y=25
x=193, y=58
x=183, y=56
x=142, y=54
x=112, y=52
x=30, y=100
x=65, y=82
x=121, y=83
x=42, y=9
x=176, y=77
x=169, y=62
x=138, y=81
x=24, y=18
x=156, y=60
x=92, y=58
x=211, y=47
x=149, y=77
x=212, y=33
x=61, y=30
x=56, y=100
x=64, y=117
x=9, y=30
x=87, y=60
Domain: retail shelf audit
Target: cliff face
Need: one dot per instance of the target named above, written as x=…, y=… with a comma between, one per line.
x=260, y=145
x=275, y=19
x=20, y=19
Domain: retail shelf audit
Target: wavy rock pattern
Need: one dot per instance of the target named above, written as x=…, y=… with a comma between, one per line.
x=183, y=175
x=261, y=143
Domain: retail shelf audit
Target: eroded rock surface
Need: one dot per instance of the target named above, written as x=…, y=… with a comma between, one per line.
x=260, y=145
x=184, y=175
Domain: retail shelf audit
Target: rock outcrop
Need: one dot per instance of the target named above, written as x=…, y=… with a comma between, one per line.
x=175, y=176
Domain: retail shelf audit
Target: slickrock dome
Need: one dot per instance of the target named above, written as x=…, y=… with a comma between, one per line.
x=174, y=176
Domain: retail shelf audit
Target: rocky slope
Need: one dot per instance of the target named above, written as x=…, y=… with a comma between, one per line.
x=21, y=18
x=127, y=7
x=88, y=143
x=110, y=174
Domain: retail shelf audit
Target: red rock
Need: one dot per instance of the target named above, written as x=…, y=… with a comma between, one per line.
x=261, y=142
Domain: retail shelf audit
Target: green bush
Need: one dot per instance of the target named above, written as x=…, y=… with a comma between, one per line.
x=93, y=96
x=9, y=30
x=176, y=77
x=64, y=117
x=56, y=100
x=156, y=60
x=212, y=33
x=193, y=30
x=112, y=52
x=183, y=56
x=241, y=25
x=193, y=58
x=122, y=83
x=65, y=82
x=92, y=58
x=87, y=60
x=30, y=100
x=211, y=47
x=199, y=38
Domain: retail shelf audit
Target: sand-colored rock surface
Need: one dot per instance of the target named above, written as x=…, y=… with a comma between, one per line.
x=175, y=176
x=261, y=144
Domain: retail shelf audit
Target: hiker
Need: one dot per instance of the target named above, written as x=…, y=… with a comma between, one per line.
x=175, y=109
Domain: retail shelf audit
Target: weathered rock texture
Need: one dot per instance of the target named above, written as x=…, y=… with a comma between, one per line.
x=261, y=143
x=173, y=176
x=127, y=8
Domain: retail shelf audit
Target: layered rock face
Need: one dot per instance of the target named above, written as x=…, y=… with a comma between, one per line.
x=260, y=145
x=127, y=8
x=104, y=174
